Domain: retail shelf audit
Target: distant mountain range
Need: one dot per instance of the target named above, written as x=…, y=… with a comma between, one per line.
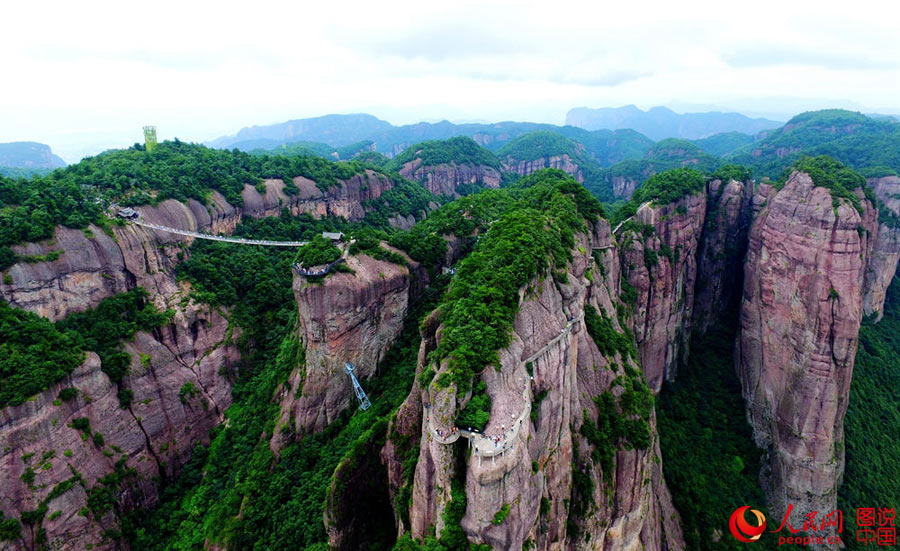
x=334, y=130
x=28, y=155
x=649, y=126
x=659, y=123
x=339, y=131
x=26, y=159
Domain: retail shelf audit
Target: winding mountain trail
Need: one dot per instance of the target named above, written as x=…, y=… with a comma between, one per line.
x=488, y=446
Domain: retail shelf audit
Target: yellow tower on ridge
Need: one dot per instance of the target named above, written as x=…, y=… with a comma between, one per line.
x=150, y=138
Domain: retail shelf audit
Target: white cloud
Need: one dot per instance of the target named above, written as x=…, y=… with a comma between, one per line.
x=82, y=76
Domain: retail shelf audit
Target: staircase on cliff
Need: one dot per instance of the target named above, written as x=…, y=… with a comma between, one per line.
x=364, y=402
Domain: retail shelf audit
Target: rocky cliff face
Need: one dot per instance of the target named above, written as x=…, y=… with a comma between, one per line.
x=154, y=436
x=720, y=261
x=628, y=508
x=883, y=262
x=445, y=179
x=196, y=351
x=659, y=260
x=623, y=187
x=525, y=167
x=348, y=317
x=94, y=265
x=799, y=322
x=145, y=443
x=347, y=199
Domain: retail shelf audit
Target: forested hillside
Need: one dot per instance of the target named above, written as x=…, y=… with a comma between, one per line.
x=280, y=498
x=459, y=150
x=866, y=144
x=78, y=194
x=345, y=135
x=873, y=418
x=723, y=144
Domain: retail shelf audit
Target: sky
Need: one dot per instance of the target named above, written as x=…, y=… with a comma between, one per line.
x=86, y=76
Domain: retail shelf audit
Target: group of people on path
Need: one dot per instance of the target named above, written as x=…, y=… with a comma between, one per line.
x=453, y=430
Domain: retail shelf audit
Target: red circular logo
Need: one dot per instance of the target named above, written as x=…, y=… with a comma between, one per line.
x=742, y=530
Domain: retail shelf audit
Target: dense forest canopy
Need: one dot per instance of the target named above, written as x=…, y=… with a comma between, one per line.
x=311, y=149
x=534, y=235
x=609, y=147
x=711, y=462
x=235, y=491
x=872, y=424
x=674, y=148
x=663, y=188
x=538, y=144
x=725, y=143
x=459, y=150
x=856, y=140
x=76, y=195
x=18, y=173
x=833, y=175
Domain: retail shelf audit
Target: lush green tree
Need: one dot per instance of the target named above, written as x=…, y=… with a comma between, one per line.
x=7, y=257
x=235, y=491
x=663, y=188
x=319, y=251
x=535, y=235
x=829, y=173
x=36, y=353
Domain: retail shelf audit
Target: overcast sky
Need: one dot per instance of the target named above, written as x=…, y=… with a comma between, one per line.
x=83, y=76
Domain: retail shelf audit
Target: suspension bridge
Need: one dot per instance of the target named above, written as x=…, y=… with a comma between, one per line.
x=491, y=446
x=222, y=238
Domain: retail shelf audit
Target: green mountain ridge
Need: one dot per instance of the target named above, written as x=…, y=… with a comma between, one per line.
x=854, y=139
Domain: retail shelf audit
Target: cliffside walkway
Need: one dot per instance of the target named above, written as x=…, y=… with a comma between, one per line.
x=491, y=446
x=224, y=239
x=620, y=224
x=317, y=273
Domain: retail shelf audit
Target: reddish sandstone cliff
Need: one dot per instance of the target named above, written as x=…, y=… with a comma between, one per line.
x=800, y=317
x=623, y=187
x=659, y=260
x=628, y=508
x=886, y=251
x=347, y=317
x=723, y=246
x=524, y=167
x=446, y=178
x=158, y=431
